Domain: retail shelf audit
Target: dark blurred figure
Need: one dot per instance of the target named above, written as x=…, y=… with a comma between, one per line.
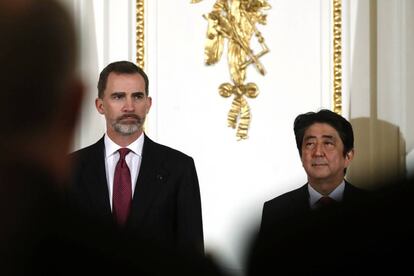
x=325, y=141
x=41, y=96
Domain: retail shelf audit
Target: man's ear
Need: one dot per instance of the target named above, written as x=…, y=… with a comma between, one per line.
x=149, y=104
x=99, y=105
x=349, y=156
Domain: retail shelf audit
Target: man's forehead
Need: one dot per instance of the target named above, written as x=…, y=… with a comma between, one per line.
x=114, y=75
x=125, y=79
x=321, y=130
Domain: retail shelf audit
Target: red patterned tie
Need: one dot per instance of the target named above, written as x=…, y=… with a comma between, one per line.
x=122, y=193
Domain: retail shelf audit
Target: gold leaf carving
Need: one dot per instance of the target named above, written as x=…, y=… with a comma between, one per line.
x=235, y=21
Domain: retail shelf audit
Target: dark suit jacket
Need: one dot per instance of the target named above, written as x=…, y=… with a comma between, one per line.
x=368, y=234
x=296, y=203
x=294, y=240
x=166, y=205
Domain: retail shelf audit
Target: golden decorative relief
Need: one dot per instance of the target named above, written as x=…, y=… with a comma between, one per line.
x=337, y=56
x=140, y=33
x=236, y=20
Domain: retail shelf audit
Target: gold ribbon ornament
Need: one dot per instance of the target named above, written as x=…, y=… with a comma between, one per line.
x=236, y=20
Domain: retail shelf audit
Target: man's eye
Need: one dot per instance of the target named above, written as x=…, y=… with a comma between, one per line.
x=138, y=96
x=116, y=97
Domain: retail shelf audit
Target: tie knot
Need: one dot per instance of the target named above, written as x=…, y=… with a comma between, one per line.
x=123, y=152
x=326, y=201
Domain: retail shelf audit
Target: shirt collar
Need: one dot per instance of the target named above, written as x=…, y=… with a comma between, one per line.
x=111, y=147
x=336, y=194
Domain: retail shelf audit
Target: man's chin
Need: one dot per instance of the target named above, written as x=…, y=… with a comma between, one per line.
x=320, y=174
x=127, y=129
x=128, y=122
x=127, y=133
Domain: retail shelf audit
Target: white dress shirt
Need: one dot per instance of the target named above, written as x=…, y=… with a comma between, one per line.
x=133, y=160
x=336, y=194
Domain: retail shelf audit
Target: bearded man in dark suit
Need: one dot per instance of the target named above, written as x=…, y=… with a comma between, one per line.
x=159, y=199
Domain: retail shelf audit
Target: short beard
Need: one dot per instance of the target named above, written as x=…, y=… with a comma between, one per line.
x=128, y=129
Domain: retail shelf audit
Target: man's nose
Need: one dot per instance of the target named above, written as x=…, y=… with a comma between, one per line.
x=318, y=151
x=128, y=105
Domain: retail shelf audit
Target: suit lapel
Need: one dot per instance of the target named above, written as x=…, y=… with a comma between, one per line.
x=96, y=183
x=347, y=191
x=149, y=180
x=301, y=199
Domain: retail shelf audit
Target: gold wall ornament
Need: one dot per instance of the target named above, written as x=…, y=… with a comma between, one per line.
x=140, y=33
x=337, y=56
x=236, y=20
x=140, y=39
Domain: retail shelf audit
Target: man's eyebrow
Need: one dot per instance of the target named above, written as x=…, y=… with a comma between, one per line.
x=309, y=137
x=328, y=136
x=119, y=93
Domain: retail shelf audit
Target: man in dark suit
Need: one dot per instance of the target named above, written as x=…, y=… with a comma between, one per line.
x=325, y=141
x=157, y=196
x=313, y=230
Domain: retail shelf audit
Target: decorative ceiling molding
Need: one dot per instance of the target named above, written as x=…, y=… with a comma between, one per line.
x=140, y=42
x=337, y=56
